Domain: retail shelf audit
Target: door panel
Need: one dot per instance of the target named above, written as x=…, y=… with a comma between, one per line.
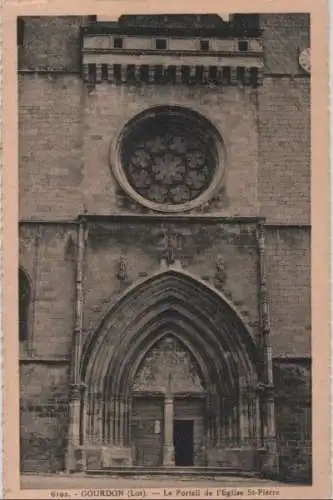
x=147, y=431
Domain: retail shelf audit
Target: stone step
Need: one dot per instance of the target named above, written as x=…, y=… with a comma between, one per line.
x=172, y=471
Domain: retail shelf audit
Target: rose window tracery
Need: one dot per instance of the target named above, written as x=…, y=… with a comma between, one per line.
x=166, y=164
x=168, y=159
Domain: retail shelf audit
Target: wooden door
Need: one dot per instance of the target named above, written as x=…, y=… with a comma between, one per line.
x=147, y=431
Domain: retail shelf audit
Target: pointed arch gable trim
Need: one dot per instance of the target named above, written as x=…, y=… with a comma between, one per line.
x=201, y=318
x=159, y=281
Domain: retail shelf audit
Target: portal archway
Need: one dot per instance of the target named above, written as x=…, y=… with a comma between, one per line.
x=210, y=338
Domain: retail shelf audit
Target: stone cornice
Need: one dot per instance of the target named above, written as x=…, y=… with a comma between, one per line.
x=231, y=72
x=172, y=53
x=156, y=218
x=223, y=32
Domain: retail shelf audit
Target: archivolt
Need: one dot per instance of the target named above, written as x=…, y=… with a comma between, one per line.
x=170, y=302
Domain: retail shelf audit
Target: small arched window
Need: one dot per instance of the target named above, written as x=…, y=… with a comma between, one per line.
x=24, y=302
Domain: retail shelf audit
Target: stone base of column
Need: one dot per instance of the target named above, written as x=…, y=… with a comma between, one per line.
x=168, y=455
x=70, y=462
x=270, y=459
x=75, y=459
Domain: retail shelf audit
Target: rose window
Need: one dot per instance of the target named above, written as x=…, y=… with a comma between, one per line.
x=169, y=159
x=167, y=165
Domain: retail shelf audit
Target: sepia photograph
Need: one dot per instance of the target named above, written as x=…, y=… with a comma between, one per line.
x=164, y=232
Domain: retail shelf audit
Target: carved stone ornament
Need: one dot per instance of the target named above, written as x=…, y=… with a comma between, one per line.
x=76, y=391
x=122, y=269
x=169, y=160
x=265, y=389
x=171, y=246
x=169, y=168
x=220, y=274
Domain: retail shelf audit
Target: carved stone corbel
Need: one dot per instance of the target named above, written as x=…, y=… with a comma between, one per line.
x=122, y=269
x=265, y=389
x=220, y=273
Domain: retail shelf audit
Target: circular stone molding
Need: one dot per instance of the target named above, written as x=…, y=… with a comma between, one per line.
x=169, y=159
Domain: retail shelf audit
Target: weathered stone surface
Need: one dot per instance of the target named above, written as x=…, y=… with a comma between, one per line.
x=293, y=420
x=66, y=131
x=168, y=358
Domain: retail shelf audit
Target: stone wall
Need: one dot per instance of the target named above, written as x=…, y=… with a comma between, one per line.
x=50, y=146
x=47, y=253
x=288, y=263
x=142, y=245
x=51, y=43
x=65, y=137
x=293, y=419
x=284, y=35
x=43, y=416
x=284, y=150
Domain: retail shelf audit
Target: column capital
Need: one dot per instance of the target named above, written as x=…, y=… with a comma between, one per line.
x=265, y=389
x=76, y=391
x=168, y=448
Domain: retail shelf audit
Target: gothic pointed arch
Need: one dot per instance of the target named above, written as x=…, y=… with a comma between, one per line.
x=202, y=321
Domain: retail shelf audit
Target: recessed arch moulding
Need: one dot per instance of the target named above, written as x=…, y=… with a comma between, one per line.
x=175, y=308
x=169, y=159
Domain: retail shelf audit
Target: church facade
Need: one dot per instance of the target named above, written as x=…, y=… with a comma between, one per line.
x=164, y=274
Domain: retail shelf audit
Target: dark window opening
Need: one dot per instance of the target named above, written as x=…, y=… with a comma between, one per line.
x=104, y=71
x=213, y=74
x=199, y=72
x=117, y=72
x=159, y=74
x=171, y=74
x=20, y=31
x=144, y=73
x=92, y=72
x=118, y=43
x=253, y=76
x=226, y=74
x=204, y=44
x=24, y=301
x=131, y=72
x=240, y=74
x=243, y=46
x=161, y=44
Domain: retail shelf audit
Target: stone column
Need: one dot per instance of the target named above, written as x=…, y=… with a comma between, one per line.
x=98, y=73
x=121, y=421
x=74, y=430
x=168, y=448
x=123, y=73
x=179, y=76
x=137, y=73
x=270, y=461
x=151, y=78
x=85, y=72
x=75, y=457
x=233, y=75
x=192, y=74
x=244, y=398
x=205, y=75
x=110, y=73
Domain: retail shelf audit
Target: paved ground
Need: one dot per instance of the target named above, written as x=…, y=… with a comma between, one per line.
x=73, y=482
